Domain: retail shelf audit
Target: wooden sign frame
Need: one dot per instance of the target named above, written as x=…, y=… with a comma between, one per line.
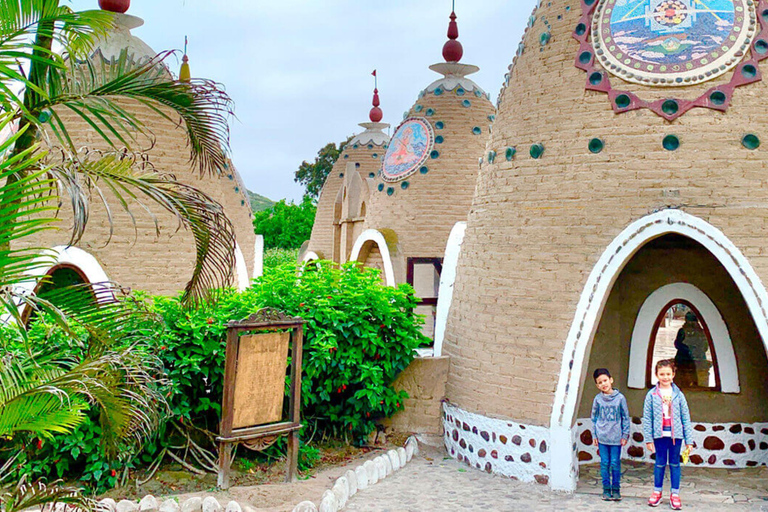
x=260, y=436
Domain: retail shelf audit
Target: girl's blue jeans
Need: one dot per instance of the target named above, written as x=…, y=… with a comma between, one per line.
x=667, y=452
x=610, y=465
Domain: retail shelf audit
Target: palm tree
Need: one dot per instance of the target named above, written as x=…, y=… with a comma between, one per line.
x=41, y=393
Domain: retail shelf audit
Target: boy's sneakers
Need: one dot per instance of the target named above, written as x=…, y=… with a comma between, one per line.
x=616, y=493
x=655, y=499
x=607, y=496
x=674, y=502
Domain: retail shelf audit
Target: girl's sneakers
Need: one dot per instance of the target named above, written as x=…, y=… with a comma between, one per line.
x=674, y=502
x=655, y=499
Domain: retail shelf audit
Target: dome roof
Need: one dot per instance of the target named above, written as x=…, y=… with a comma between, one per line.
x=596, y=145
x=431, y=164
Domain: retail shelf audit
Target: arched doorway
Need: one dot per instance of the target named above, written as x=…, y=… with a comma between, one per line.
x=629, y=270
x=371, y=249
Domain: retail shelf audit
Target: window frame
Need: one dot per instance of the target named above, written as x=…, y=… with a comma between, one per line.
x=652, y=345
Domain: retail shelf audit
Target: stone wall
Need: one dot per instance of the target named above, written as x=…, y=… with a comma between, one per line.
x=424, y=381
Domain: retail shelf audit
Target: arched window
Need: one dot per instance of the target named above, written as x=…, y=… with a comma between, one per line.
x=680, y=332
x=705, y=339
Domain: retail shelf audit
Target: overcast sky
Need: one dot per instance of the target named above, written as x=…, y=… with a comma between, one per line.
x=299, y=71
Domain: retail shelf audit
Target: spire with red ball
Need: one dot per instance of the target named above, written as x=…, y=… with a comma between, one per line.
x=375, y=114
x=452, y=49
x=119, y=6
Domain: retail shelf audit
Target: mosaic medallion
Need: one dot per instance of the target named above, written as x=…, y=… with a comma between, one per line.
x=409, y=148
x=672, y=42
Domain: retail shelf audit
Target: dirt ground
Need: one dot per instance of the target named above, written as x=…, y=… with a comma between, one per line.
x=259, y=486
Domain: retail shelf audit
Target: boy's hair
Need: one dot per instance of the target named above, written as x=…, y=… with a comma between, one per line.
x=601, y=371
x=666, y=363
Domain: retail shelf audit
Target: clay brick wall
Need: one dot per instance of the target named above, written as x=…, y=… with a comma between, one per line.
x=139, y=258
x=422, y=215
x=321, y=240
x=538, y=226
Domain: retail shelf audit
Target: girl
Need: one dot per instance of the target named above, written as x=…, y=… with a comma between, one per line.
x=667, y=421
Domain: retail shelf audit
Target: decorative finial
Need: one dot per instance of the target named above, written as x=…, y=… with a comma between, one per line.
x=184, y=73
x=452, y=49
x=376, y=114
x=120, y=6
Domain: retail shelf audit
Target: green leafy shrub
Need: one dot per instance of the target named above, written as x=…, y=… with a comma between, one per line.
x=359, y=336
x=285, y=225
x=278, y=257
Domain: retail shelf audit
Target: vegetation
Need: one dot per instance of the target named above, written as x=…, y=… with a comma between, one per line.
x=312, y=175
x=359, y=336
x=87, y=365
x=259, y=202
x=285, y=225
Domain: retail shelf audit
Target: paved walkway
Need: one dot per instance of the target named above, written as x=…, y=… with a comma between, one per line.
x=432, y=481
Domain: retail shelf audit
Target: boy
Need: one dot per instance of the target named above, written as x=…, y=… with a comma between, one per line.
x=610, y=420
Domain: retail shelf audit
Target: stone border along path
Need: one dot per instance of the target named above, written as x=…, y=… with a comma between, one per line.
x=333, y=500
x=362, y=477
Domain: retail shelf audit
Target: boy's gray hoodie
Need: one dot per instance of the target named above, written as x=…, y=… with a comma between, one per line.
x=610, y=417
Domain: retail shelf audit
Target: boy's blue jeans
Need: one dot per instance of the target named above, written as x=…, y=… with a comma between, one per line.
x=610, y=465
x=667, y=452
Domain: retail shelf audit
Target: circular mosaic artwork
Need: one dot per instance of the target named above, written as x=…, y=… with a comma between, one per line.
x=672, y=42
x=409, y=148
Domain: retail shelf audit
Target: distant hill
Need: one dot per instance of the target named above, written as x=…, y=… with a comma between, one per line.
x=259, y=203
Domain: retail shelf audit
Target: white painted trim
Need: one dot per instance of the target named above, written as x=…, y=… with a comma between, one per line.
x=447, y=280
x=258, y=256
x=241, y=271
x=63, y=255
x=598, y=287
x=646, y=318
x=310, y=256
x=372, y=235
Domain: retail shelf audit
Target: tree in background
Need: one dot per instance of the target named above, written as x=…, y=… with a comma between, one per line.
x=286, y=225
x=312, y=175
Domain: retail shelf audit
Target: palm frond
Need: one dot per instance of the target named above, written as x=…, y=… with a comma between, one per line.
x=38, y=494
x=92, y=90
x=212, y=231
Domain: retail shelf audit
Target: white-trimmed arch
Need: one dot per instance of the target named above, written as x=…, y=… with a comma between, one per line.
x=60, y=255
x=241, y=270
x=310, y=256
x=447, y=280
x=595, y=295
x=646, y=320
x=375, y=236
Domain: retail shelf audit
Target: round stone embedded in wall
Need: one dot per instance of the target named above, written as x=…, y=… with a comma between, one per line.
x=439, y=139
x=404, y=185
x=477, y=130
x=466, y=103
x=510, y=153
x=439, y=125
x=434, y=154
x=750, y=141
x=595, y=145
x=713, y=443
x=424, y=169
x=622, y=101
x=537, y=150
x=670, y=142
x=371, y=175
x=717, y=97
x=390, y=191
x=670, y=107
x=380, y=187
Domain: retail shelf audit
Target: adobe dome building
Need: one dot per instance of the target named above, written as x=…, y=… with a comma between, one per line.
x=136, y=256
x=341, y=207
x=628, y=224
x=427, y=179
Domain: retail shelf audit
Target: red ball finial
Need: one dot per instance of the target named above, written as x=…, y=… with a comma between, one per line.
x=375, y=114
x=120, y=6
x=452, y=49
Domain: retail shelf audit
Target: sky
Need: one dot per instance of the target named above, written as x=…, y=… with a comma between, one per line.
x=299, y=71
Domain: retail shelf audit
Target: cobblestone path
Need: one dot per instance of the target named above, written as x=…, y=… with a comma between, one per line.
x=431, y=482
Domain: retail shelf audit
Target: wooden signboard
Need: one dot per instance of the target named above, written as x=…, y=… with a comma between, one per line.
x=254, y=387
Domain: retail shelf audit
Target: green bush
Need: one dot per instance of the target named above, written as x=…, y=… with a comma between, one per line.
x=359, y=335
x=277, y=257
x=285, y=225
